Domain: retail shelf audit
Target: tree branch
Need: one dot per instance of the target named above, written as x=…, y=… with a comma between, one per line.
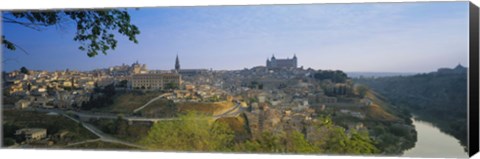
x=12, y=46
x=23, y=50
x=34, y=26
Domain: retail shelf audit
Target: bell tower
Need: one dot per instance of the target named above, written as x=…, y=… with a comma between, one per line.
x=177, y=64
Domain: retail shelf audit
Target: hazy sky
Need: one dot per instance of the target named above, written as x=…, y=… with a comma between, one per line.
x=373, y=37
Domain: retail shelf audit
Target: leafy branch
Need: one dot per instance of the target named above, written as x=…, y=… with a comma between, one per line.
x=94, y=28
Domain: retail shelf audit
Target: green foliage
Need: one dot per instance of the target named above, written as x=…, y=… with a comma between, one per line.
x=171, y=85
x=255, y=85
x=192, y=132
x=336, y=141
x=252, y=100
x=333, y=140
x=360, y=143
x=105, y=99
x=123, y=84
x=362, y=90
x=8, y=142
x=24, y=70
x=9, y=130
x=335, y=76
x=271, y=143
x=7, y=44
x=298, y=144
x=94, y=28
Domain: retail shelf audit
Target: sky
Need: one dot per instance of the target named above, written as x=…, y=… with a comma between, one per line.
x=364, y=37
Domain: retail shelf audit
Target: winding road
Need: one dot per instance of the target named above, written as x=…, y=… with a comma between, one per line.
x=102, y=136
x=151, y=101
x=232, y=112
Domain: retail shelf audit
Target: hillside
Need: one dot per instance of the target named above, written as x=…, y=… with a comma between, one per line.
x=437, y=97
x=390, y=127
x=126, y=102
x=211, y=108
x=377, y=110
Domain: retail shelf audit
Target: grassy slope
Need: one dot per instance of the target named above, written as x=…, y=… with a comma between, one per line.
x=161, y=108
x=209, y=108
x=127, y=102
x=379, y=110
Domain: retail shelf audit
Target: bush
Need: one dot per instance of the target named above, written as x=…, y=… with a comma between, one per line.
x=8, y=142
x=192, y=132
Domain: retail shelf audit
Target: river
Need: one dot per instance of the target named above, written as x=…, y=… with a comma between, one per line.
x=431, y=142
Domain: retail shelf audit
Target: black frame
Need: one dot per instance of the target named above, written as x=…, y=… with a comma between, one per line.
x=473, y=109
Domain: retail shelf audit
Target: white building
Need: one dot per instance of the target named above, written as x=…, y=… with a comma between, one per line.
x=32, y=134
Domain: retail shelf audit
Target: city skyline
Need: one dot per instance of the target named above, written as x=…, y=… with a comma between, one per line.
x=371, y=37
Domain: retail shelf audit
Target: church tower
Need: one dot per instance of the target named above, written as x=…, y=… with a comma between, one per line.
x=177, y=64
x=295, y=63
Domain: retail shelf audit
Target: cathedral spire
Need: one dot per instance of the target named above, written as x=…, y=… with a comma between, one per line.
x=177, y=64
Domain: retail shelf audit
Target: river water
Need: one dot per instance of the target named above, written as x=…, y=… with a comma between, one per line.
x=431, y=142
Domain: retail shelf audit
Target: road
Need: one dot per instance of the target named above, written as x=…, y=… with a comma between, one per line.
x=151, y=101
x=233, y=112
x=102, y=136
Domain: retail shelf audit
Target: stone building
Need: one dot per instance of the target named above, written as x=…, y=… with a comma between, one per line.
x=125, y=70
x=282, y=63
x=22, y=104
x=155, y=81
x=187, y=72
x=31, y=134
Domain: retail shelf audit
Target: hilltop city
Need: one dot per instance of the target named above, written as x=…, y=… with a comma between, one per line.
x=116, y=83
x=117, y=107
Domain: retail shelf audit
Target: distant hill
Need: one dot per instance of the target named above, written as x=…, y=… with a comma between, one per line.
x=377, y=74
x=438, y=97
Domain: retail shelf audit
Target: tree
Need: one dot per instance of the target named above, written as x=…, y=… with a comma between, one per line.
x=94, y=27
x=24, y=70
x=297, y=143
x=362, y=90
x=8, y=142
x=192, y=132
x=123, y=83
x=267, y=142
x=171, y=85
x=335, y=140
x=334, y=76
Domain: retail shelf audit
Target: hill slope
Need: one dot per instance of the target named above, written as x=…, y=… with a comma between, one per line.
x=440, y=98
